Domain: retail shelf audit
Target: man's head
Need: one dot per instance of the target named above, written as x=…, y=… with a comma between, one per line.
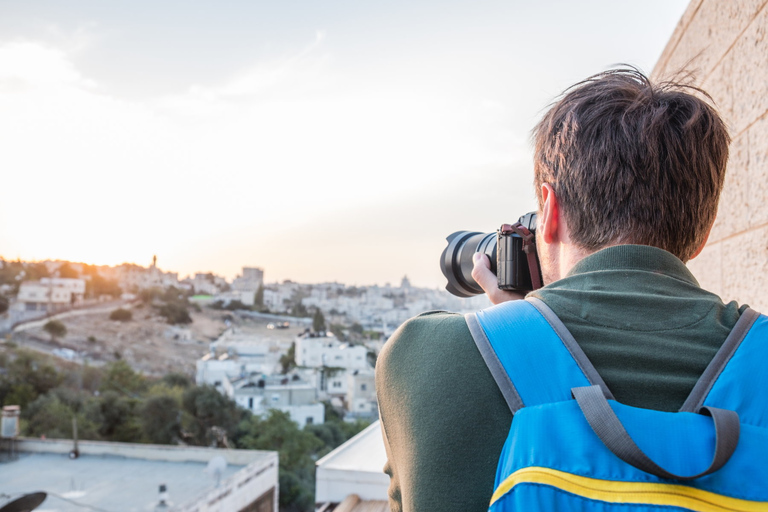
x=632, y=162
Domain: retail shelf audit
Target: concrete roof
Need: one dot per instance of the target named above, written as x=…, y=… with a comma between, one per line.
x=365, y=452
x=355, y=467
x=116, y=476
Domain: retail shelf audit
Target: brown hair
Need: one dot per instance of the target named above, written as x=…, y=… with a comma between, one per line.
x=633, y=162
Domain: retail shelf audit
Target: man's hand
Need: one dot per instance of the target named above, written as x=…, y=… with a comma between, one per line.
x=481, y=272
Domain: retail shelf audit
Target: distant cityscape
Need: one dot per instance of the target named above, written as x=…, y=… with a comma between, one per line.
x=135, y=354
x=338, y=329
x=37, y=289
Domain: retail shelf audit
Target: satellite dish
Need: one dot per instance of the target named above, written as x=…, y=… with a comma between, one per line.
x=216, y=467
x=26, y=503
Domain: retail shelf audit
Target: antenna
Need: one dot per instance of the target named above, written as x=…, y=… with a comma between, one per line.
x=75, y=453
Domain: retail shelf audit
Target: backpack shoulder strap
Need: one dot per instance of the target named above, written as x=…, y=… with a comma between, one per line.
x=530, y=353
x=737, y=379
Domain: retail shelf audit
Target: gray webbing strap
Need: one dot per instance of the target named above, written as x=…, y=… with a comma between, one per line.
x=507, y=388
x=570, y=343
x=704, y=385
x=614, y=436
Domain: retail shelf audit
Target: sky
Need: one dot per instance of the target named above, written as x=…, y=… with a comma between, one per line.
x=320, y=140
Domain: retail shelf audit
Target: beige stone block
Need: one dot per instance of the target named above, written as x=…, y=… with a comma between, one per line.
x=662, y=66
x=758, y=172
x=734, y=209
x=750, y=74
x=745, y=268
x=710, y=34
x=719, y=86
x=707, y=268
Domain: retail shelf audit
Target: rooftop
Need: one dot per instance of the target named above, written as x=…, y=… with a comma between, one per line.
x=355, y=467
x=120, y=476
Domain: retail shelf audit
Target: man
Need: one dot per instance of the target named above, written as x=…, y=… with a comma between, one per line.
x=627, y=177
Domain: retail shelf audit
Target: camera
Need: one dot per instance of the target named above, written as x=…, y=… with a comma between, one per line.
x=512, y=251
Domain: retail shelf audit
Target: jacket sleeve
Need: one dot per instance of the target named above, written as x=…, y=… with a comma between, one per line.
x=443, y=419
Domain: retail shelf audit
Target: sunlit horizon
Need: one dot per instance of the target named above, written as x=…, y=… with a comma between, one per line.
x=342, y=145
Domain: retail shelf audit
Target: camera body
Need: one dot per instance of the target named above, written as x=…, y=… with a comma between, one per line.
x=511, y=250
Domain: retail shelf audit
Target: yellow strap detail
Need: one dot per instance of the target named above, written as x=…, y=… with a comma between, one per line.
x=613, y=491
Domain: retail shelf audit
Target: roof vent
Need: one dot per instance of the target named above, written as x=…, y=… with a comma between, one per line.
x=10, y=422
x=163, y=491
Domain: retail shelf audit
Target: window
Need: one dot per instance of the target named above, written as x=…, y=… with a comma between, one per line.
x=310, y=420
x=250, y=403
x=363, y=387
x=337, y=384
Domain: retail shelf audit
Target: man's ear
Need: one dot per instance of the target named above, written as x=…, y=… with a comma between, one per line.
x=548, y=222
x=703, y=244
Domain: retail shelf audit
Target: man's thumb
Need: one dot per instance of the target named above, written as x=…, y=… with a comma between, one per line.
x=481, y=273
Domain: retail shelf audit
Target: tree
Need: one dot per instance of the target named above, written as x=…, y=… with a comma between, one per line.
x=330, y=433
x=178, y=380
x=298, y=451
x=258, y=299
x=338, y=331
x=318, y=321
x=149, y=295
x=50, y=417
x=21, y=395
x=207, y=408
x=161, y=419
x=55, y=329
x=175, y=313
x=288, y=360
x=65, y=270
x=299, y=309
x=121, y=315
x=97, y=286
x=121, y=378
x=33, y=369
x=116, y=416
x=371, y=357
x=236, y=304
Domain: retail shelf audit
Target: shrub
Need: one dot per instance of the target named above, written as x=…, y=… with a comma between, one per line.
x=121, y=315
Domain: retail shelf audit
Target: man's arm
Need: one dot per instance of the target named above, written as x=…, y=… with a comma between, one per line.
x=443, y=417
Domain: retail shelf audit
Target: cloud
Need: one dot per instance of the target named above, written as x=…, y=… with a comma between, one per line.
x=95, y=177
x=289, y=77
x=25, y=65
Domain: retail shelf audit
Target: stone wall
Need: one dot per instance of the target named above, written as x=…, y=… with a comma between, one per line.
x=723, y=43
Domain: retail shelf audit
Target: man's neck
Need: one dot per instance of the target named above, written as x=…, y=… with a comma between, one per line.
x=561, y=258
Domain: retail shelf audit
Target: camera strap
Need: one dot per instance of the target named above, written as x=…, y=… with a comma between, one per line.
x=529, y=248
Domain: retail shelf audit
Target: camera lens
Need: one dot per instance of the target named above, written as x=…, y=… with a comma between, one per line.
x=456, y=260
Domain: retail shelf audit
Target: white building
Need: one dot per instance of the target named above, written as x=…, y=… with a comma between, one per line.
x=316, y=350
x=75, y=286
x=250, y=280
x=131, y=277
x=238, y=362
x=50, y=294
x=361, y=393
x=207, y=283
x=290, y=394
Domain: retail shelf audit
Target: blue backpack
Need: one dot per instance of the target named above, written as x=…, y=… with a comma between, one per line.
x=572, y=447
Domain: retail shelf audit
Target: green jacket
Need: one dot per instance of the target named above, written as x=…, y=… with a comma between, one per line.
x=637, y=312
